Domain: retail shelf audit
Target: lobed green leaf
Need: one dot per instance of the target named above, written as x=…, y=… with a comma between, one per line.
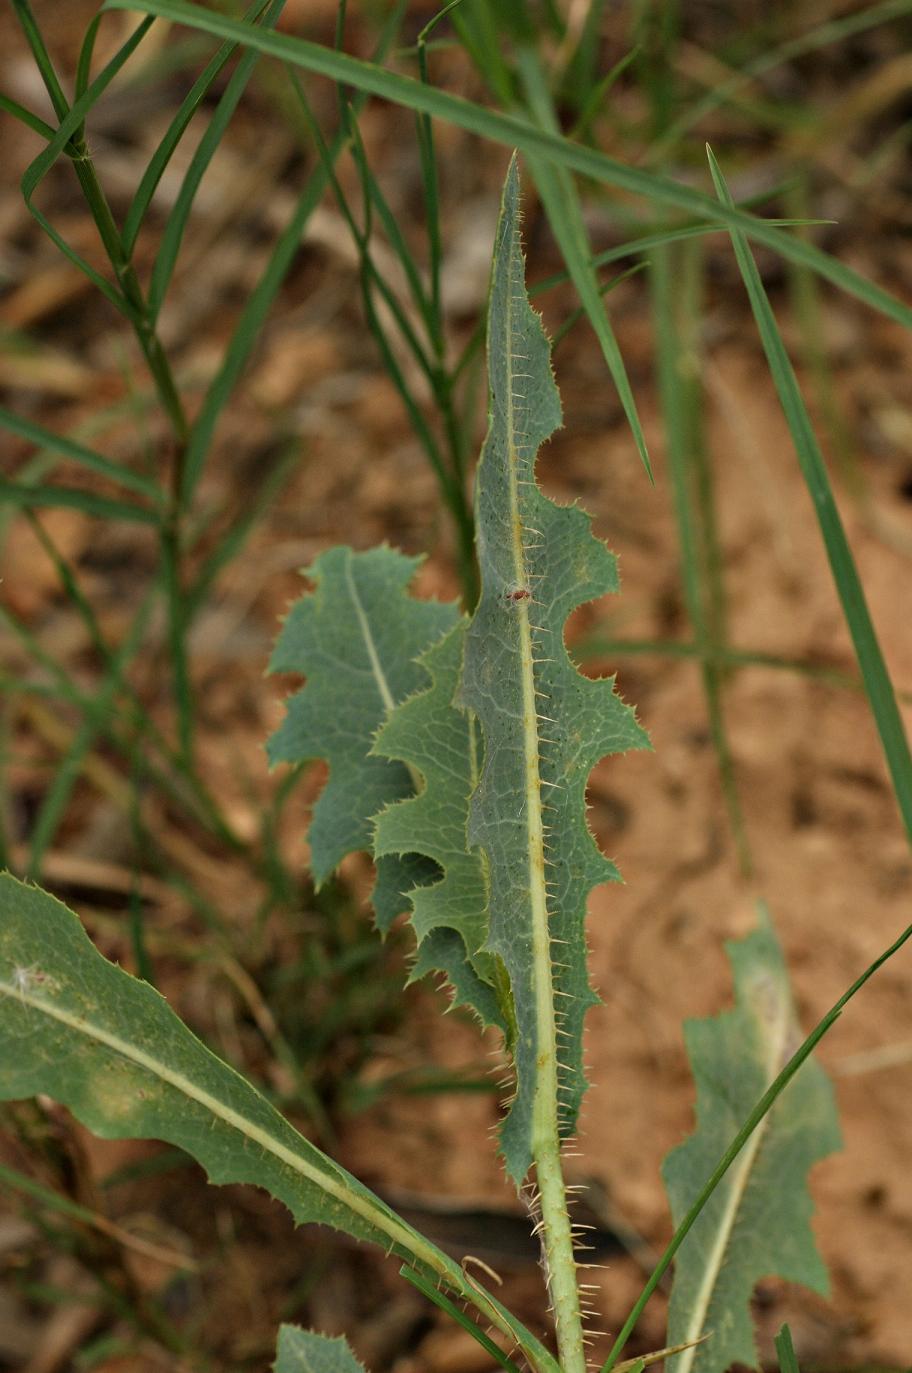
x=304, y=1351
x=434, y=738
x=356, y=639
x=544, y=725
x=757, y=1222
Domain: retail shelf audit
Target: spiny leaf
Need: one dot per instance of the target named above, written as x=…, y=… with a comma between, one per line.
x=108, y=1046
x=355, y=638
x=544, y=725
x=434, y=738
x=757, y=1222
x=443, y=951
x=304, y=1351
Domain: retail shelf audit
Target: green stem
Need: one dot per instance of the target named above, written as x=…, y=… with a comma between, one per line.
x=140, y=316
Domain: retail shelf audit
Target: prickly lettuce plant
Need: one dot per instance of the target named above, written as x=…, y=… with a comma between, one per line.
x=459, y=751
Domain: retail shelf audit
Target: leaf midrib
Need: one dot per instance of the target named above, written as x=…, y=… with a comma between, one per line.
x=377, y=671
x=545, y=1093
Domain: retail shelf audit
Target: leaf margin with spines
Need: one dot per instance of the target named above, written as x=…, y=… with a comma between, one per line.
x=526, y=544
x=431, y=735
x=307, y=1351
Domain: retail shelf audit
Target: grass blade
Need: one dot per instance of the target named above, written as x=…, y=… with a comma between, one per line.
x=12, y=107
x=173, y=134
x=247, y=329
x=877, y=681
x=701, y=574
x=71, y=126
x=443, y=1302
x=166, y=258
x=54, y=803
x=562, y=206
x=820, y=36
x=78, y=452
x=102, y=507
x=513, y=131
x=785, y=1351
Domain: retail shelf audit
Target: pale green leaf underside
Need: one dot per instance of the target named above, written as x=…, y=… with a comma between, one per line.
x=538, y=562
x=355, y=638
x=757, y=1222
x=304, y=1351
x=431, y=735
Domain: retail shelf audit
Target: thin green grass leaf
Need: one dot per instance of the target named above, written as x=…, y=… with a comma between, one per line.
x=247, y=330
x=191, y=102
x=31, y=121
x=115, y=664
x=476, y=23
x=231, y=543
x=600, y=646
x=515, y=132
x=681, y=401
x=646, y=1360
x=430, y=180
x=170, y=562
x=443, y=1302
x=169, y=247
x=67, y=140
x=38, y=47
x=79, y=453
x=821, y=36
x=100, y=707
x=785, y=1351
x=604, y=289
x=565, y=216
x=101, y=507
x=450, y=477
x=874, y=673
x=658, y=239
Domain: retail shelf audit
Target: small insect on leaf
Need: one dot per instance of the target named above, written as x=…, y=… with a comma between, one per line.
x=518, y=593
x=24, y=980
